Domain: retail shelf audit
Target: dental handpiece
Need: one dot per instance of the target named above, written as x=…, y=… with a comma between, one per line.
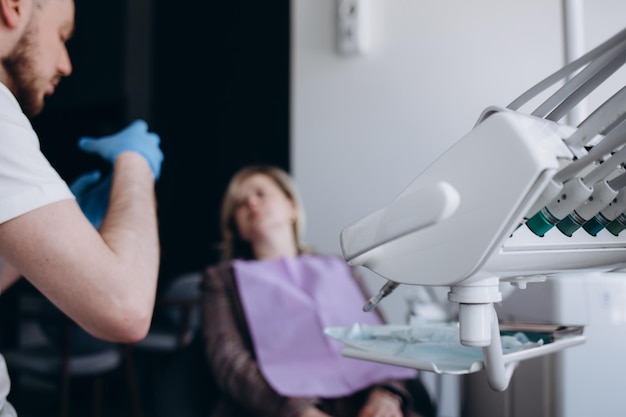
x=604, y=194
x=574, y=193
x=608, y=214
x=384, y=291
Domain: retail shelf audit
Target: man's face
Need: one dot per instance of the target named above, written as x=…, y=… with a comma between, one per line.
x=40, y=58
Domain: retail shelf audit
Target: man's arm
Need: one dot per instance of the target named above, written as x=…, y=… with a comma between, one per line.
x=104, y=281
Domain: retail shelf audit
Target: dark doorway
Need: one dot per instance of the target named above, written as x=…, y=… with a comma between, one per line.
x=221, y=101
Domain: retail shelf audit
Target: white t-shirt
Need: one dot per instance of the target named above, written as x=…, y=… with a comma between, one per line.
x=27, y=182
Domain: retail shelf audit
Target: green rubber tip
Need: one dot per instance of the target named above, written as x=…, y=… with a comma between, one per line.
x=568, y=226
x=615, y=227
x=539, y=224
x=593, y=226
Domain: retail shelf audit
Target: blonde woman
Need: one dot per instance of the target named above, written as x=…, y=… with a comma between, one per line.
x=265, y=307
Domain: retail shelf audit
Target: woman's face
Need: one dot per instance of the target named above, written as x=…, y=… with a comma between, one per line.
x=262, y=209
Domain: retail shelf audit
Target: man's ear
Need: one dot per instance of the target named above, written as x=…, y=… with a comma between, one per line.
x=13, y=12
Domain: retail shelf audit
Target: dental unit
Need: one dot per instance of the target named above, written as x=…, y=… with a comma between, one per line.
x=521, y=197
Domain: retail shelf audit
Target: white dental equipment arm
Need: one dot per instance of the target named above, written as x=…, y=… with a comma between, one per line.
x=484, y=211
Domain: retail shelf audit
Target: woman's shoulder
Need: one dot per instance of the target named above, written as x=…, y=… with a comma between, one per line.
x=219, y=266
x=220, y=271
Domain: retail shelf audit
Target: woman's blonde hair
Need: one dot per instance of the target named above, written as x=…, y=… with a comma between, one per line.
x=233, y=247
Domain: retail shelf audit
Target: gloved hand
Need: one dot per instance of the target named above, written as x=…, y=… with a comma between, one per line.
x=135, y=138
x=92, y=195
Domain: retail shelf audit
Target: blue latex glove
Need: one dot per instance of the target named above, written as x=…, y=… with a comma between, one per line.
x=135, y=138
x=92, y=195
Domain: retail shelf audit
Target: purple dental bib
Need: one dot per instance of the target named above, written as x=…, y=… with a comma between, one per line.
x=288, y=302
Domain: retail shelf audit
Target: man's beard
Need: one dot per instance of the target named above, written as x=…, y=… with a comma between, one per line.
x=20, y=67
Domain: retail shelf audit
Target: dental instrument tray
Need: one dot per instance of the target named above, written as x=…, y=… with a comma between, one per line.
x=545, y=332
x=436, y=347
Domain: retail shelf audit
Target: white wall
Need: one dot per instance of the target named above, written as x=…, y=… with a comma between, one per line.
x=364, y=126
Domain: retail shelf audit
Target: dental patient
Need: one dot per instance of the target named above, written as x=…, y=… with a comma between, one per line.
x=265, y=307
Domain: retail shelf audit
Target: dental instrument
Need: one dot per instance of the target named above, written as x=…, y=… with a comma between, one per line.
x=604, y=192
x=574, y=193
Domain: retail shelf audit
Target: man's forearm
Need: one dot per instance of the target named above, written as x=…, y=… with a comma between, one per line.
x=130, y=227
